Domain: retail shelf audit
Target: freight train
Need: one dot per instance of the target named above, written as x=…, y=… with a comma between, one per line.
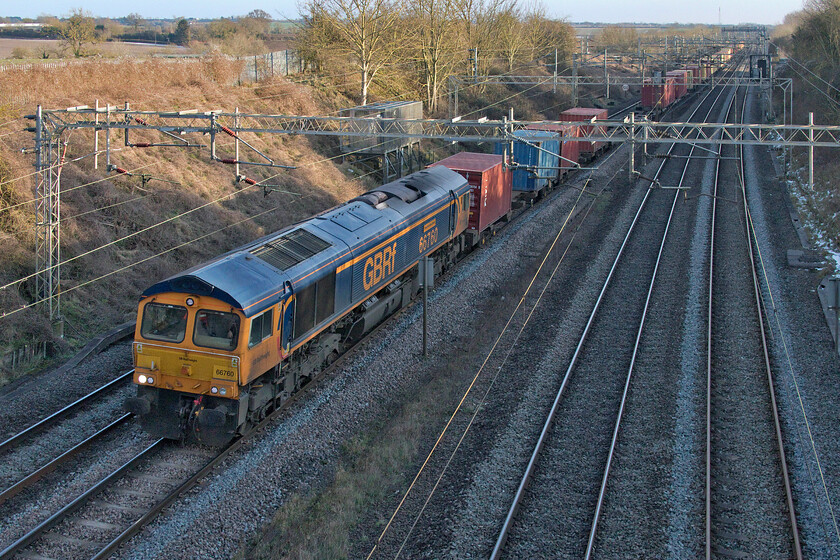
x=660, y=92
x=219, y=346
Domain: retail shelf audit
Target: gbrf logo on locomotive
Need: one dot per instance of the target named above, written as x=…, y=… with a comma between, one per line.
x=379, y=265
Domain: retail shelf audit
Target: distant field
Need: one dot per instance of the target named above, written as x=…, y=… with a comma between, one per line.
x=37, y=46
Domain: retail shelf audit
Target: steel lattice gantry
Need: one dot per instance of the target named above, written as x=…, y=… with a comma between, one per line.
x=48, y=218
x=183, y=124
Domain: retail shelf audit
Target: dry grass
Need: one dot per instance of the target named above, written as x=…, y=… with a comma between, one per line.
x=126, y=206
x=324, y=523
x=36, y=48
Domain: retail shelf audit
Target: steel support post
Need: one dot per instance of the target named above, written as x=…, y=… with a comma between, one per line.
x=48, y=217
x=108, y=137
x=40, y=206
x=236, y=141
x=606, y=77
x=811, y=151
x=632, y=167
x=213, y=136
x=96, y=136
x=127, y=121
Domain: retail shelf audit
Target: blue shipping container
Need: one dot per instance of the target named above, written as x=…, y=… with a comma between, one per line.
x=545, y=161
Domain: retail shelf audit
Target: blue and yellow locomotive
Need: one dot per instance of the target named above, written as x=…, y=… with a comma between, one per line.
x=219, y=346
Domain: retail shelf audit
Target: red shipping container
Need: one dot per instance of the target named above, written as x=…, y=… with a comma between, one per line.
x=583, y=114
x=570, y=149
x=655, y=95
x=670, y=89
x=680, y=84
x=695, y=75
x=492, y=185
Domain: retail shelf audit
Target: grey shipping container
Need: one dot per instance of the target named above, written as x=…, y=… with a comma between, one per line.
x=376, y=118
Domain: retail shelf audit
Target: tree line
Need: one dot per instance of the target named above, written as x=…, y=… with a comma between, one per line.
x=423, y=42
x=80, y=31
x=812, y=37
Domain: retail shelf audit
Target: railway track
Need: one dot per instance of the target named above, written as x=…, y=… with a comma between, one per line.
x=117, y=507
x=749, y=508
x=64, y=412
x=594, y=397
x=65, y=427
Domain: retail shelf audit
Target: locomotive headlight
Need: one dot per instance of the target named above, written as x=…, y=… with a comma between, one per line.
x=223, y=391
x=190, y=301
x=214, y=390
x=150, y=380
x=141, y=378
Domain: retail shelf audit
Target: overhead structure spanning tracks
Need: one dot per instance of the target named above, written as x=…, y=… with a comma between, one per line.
x=450, y=130
x=187, y=129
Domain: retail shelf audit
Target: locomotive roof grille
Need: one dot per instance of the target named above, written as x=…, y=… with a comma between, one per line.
x=290, y=249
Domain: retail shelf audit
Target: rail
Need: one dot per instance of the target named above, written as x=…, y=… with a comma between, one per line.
x=45, y=422
x=513, y=510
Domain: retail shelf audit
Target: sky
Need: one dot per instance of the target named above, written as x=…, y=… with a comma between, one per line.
x=766, y=12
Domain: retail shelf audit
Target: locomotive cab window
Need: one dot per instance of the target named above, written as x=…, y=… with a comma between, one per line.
x=164, y=322
x=261, y=327
x=216, y=329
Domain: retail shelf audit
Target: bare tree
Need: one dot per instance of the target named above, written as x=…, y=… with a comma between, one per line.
x=618, y=38
x=436, y=40
x=558, y=34
x=135, y=20
x=368, y=32
x=512, y=37
x=481, y=24
x=77, y=31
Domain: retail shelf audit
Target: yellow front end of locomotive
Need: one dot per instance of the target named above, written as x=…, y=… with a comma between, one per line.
x=188, y=344
x=186, y=370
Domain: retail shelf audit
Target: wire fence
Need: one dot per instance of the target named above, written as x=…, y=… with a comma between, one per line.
x=40, y=65
x=265, y=66
x=255, y=68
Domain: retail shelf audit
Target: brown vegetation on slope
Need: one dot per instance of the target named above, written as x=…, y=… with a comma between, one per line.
x=98, y=208
x=811, y=38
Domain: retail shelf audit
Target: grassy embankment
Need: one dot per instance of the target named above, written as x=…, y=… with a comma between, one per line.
x=819, y=207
